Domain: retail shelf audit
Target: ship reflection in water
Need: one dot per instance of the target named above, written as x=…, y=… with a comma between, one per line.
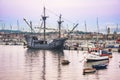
x=43, y=64
x=18, y=63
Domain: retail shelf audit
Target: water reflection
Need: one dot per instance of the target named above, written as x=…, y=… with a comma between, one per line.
x=18, y=63
x=38, y=62
x=31, y=63
x=60, y=55
x=44, y=65
x=97, y=73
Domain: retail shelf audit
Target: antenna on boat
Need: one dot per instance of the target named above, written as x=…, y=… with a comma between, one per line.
x=44, y=17
x=59, y=24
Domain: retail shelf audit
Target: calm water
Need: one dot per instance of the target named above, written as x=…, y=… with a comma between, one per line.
x=18, y=63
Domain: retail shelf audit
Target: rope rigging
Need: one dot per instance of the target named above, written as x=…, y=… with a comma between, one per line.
x=41, y=25
x=58, y=15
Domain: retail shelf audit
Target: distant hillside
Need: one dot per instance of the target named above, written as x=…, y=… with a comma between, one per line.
x=112, y=30
x=10, y=31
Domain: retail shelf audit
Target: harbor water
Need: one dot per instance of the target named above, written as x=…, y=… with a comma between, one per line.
x=19, y=63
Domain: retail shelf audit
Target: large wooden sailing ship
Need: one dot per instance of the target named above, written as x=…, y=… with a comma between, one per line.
x=34, y=43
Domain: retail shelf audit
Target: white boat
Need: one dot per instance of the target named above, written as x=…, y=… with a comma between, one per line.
x=93, y=57
x=97, y=51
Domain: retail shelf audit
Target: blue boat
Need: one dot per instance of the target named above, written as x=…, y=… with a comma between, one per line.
x=99, y=66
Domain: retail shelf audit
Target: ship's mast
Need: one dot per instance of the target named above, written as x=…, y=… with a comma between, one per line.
x=97, y=29
x=44, y=23
x=86, y=34
x=18, y=25
x=97, y=33
x=59, y=24
x=85, y=30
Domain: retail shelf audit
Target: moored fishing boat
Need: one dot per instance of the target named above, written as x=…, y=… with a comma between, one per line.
x=100, y=52
x=93, y=57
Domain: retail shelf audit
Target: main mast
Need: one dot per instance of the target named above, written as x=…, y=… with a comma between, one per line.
x=44, y=23
x=59, y=24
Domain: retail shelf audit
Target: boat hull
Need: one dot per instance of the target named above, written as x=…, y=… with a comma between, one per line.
x=99, y=66
x=88, y=70
x=93, y=58
x=34, y=43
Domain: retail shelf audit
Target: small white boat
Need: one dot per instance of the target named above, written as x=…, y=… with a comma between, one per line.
x=93, y=57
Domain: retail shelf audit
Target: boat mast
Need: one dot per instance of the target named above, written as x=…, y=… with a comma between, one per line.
x=97, y=29
x=85, y=27
x=18, y=25
x=86, y=33
x=97, y=33
x=3, y=26
x=10, y=28
x=44, y=23
x=59, y=24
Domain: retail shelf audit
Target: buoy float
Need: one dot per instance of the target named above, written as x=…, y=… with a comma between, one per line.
x=65, y=62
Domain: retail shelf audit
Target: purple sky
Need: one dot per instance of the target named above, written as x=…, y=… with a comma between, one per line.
x=76, y=11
